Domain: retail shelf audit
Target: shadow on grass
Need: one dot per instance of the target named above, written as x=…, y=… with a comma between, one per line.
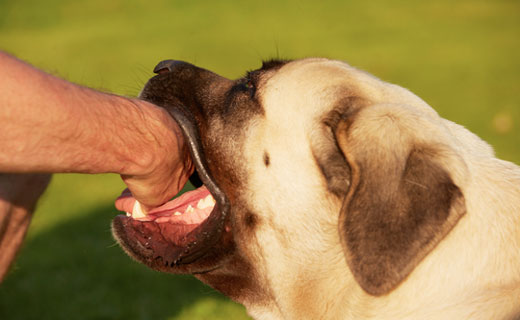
x=76, y=271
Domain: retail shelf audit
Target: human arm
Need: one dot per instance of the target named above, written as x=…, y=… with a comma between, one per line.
x=50, y=125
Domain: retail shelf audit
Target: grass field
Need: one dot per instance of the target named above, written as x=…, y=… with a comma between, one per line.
x=460, y=56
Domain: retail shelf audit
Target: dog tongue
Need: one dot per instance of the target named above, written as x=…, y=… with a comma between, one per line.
x=199, y=198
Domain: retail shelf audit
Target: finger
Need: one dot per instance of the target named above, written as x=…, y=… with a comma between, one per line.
x=125, y=202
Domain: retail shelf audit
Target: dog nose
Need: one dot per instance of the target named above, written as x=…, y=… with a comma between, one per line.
x=167, y=66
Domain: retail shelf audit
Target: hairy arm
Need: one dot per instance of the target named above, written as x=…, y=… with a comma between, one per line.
x=51, y=125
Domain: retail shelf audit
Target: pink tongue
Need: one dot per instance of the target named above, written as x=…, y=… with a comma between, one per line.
x=125, y=202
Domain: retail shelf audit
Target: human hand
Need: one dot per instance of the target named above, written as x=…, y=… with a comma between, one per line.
x=165, y=171
x=87, y=131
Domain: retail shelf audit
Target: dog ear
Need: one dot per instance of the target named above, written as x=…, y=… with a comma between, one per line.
x=401, y=201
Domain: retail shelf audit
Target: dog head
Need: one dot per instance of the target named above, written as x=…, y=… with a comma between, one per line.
x=320, y=172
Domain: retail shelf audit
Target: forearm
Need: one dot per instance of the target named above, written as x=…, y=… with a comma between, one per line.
x=50, y=125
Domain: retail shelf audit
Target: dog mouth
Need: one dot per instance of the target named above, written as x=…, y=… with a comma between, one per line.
x=184, y=229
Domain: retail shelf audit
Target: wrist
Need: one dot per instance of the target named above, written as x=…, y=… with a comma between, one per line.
x=160, y=139
x=161, y=168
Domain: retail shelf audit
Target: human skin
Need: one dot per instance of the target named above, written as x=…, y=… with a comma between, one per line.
x=49, y=125
x=18, y=196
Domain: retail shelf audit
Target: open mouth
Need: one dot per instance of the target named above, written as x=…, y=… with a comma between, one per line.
x=185, y=228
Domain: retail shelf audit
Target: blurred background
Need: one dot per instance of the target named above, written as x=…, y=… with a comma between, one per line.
x=461, y=57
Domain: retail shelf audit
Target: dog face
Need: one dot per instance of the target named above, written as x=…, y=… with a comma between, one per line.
x=324, y=177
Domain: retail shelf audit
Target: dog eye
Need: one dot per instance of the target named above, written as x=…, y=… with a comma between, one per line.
x=249, y=86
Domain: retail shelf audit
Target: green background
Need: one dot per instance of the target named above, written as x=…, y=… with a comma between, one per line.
x=459, y=56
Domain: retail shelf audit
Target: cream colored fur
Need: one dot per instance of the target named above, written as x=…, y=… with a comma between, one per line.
x=473, y=273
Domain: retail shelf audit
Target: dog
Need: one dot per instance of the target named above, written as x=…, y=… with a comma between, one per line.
x=329, y=194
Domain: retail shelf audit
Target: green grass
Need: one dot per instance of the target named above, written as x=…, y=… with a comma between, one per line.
x=459, y=56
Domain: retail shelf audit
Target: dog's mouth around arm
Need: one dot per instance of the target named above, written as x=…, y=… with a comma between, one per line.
x=185, y=228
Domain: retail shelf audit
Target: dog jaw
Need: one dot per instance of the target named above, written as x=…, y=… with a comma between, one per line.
x=271, y=144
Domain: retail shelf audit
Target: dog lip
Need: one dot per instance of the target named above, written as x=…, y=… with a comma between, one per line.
x=212, y=228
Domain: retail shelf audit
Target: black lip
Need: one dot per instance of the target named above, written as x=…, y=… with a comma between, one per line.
x=211, y=229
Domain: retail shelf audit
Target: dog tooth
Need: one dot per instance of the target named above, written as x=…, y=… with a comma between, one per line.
x=204, y=203
x=208, y=201
x=128, y=214
x=177, y=213
x=138, y=211
x=190, y=209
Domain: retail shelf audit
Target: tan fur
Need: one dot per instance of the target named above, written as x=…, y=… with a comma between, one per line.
x=345, y=198
x=472, y=273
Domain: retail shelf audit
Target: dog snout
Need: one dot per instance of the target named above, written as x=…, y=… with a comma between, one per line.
x=169, y=65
